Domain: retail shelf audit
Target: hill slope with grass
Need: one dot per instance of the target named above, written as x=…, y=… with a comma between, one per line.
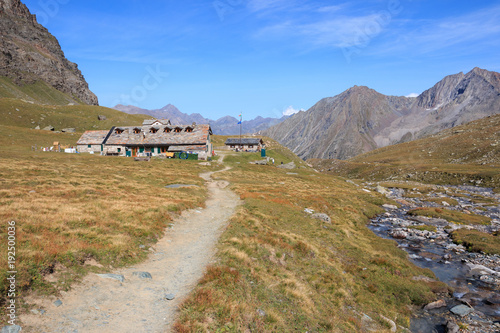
x=32, y=64
x=277, y=268
x=465, y=154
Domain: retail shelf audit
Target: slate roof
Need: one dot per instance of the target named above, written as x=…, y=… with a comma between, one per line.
x=148, y=122
x=93, y=138
x=198, y=136
x=244, y=141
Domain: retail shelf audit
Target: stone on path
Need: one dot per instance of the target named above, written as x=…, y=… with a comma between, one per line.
x=118, y=277
x=169, y=297
x=58, y=303
x=11, y=329
x=143, y=275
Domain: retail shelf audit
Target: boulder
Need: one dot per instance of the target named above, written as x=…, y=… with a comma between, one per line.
x=462, y=310
x=100, y=117
x=435, y=305
x=49, y=128
x=38, y=127
x=390, y=207
x=68, y=130
x=323, y=217
x=288, y=166
x=452, y=327
x=382, y=190
x=399, y=234
x=260, y=162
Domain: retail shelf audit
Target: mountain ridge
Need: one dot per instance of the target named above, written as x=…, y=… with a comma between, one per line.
x=226, y=125
x=360, y=119
x=31, y=54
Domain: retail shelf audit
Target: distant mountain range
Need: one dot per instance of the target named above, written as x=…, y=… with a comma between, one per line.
x=224, y=126
x=360, y=119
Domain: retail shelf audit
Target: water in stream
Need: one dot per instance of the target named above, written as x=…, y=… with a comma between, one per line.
x=474, y=277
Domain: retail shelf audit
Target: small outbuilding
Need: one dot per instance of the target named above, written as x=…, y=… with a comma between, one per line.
x=92, y=142
x=245, y=144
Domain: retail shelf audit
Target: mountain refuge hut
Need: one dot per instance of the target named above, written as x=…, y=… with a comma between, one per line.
x=245, y=144
x=156, y=137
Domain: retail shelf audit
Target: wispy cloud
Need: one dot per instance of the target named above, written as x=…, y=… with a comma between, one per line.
x=429, y=36
x=291, y=111
x=412, y=95
x=328, y=26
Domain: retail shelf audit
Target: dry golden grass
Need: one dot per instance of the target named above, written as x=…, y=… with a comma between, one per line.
x=72, y=208
x=279, y=270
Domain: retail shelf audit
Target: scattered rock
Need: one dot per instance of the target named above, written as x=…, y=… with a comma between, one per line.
x=390, y=207
x=58, y=303
x=102, y=117
x=260, y=162
x=435, y=305
x=118, y=277
x=38, y=127
x=391, y=323
x=382, y=190
x=399, y=234
x=68, y=130
x=323, y=217
x=288, y=166
x=451, y=327
x=169, y=297
x=462, y=310
x=11, y=329
x=142, y=275
x=261, y=312
x=309, y=211
x=49, y=128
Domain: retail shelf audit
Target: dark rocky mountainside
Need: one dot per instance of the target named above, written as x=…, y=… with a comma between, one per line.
x=224, y=126
x=360, y=119
x=29, y=54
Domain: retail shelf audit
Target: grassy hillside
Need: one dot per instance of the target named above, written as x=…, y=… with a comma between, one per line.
x=464, y=154
x=39, y=92
x=277, y=268
x=280, y=270
x=18, y=113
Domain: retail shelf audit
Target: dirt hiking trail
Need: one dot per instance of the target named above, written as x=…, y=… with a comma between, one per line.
x=140, y=304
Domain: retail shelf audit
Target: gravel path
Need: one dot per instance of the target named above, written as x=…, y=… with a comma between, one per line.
x=139, y=303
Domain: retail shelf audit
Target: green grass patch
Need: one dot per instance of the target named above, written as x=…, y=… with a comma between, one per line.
x=450, y=215
x=477, y=241
x=423, y=228
x=439, y=201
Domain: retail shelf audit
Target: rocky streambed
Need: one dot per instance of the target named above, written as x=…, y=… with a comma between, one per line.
x=473, y=277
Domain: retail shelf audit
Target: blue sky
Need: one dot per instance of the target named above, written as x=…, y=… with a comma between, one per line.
x=266, y=57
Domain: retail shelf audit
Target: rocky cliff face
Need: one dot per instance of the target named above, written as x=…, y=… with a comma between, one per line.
x=360, y=119
x=29, y=53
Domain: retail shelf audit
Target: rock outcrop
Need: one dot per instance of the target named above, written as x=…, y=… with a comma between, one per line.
x=361, y=119
x=29, y=53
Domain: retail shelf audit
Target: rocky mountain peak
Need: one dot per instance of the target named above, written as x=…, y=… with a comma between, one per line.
x=15, y=8
x=360, y=119
x=29, y=53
